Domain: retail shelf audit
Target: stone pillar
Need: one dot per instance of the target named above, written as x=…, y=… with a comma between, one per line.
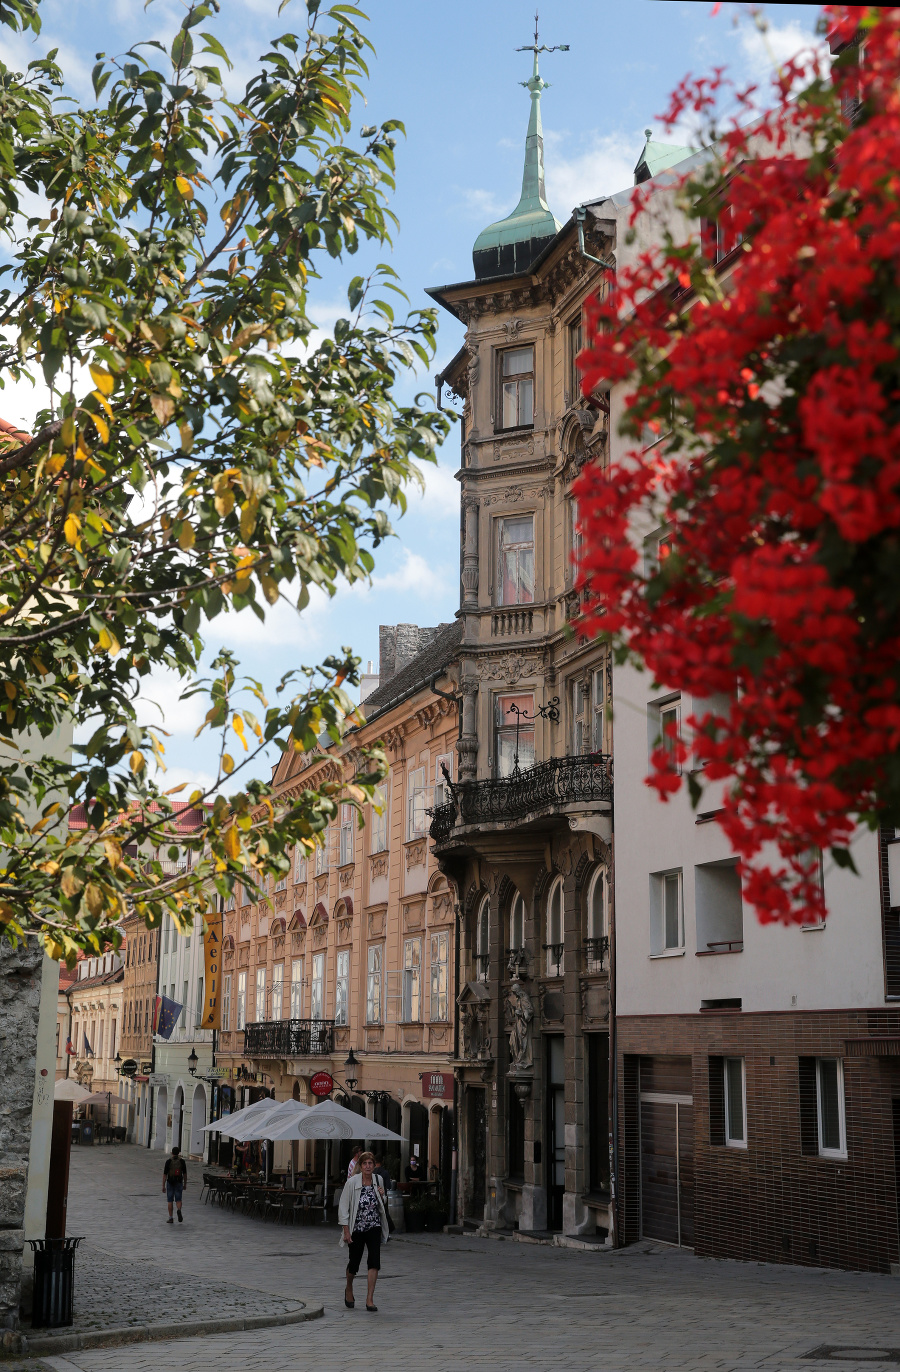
x=467, y=746
x=20, y=999
x=577, y=1219
x=470, y=554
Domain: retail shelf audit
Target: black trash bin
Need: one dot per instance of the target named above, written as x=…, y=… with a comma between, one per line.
x=54, y=1282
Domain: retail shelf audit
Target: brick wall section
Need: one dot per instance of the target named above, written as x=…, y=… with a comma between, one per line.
x=771, y=1203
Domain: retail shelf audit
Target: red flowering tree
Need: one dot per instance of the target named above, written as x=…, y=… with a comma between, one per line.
x=771, y=377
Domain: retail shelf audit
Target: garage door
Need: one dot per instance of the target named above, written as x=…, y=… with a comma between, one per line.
x=667, y=1150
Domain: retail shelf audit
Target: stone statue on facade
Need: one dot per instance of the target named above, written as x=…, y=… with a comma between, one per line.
x=519, y=1016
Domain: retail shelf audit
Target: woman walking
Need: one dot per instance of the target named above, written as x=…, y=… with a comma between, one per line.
x=362, y=1216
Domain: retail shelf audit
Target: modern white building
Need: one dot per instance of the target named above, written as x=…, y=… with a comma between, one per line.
x=182, y=1099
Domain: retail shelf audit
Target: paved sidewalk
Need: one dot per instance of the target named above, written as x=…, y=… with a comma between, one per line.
x=447, y=1304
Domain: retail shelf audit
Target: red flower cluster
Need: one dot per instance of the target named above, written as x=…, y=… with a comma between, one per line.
x=773, y=380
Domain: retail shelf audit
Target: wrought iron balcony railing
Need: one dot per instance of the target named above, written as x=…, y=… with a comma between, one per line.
x=561, y=781
x=289, y=1038
x=596, y=951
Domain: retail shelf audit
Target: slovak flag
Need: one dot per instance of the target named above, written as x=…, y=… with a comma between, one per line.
x=70, y=1050
x=165, y=1016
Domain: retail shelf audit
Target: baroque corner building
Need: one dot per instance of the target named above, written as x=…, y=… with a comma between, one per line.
x=526, y=835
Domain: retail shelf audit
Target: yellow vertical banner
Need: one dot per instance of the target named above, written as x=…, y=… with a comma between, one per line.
x=212, y=942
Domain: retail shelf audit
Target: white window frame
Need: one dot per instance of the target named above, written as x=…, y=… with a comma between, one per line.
x=317, y=988
x=659, y=948
x=733, y=1140
x=300, y=865
x=661, y=714
x=824, y=1152
x=517, y=923
x=346, y=837
x=521, y=547
x=342, y=987
x=597, y=928
x=441, y=790
x=510, y=387
x=226, y=1002
x=297, y=965
x=483, y=939
x=281, y=883
x=322, y=855
x=580, y=697
x=440, y=976
x=277, y=990
x=416, y=802
x=505, y=728
x=379, y=827
x=412, y=981
x=241, y=1006
x=555, y=912
x=374, y=984
x=260, y=994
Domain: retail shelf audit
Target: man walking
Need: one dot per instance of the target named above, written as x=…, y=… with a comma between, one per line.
x=174, y=1182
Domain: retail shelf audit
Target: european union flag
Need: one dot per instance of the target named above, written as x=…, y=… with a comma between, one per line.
x=88, y=1050
x=165, y=1016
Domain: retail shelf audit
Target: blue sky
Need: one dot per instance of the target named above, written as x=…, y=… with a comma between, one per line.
x=451, y=73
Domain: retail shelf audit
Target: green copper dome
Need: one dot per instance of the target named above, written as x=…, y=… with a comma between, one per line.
x=513, y=243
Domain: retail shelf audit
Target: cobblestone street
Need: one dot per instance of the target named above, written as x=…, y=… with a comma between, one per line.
x=445, y=1303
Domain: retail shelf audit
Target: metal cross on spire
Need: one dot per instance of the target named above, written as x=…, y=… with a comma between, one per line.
x=537, y=47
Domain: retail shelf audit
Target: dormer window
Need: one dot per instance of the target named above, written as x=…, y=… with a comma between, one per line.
x=517, y=388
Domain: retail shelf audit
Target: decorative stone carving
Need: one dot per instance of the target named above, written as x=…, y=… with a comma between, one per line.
x=341, y=1038
x=374, y=1040
x=376, y=924
x=280, y=897
x=321, y=885
x=378, y=865
x=442, y=908
x=345, y=877
x=439, y=1034
x=412, y=1037
x=510, y=450
x=244, y=956
x=413, y=917
x=298, y=940
x=344, y=930
x=513, y=495
x=519, y=1013
x=319, y=935
x=474, y=1003
x=511, y=668
x=415, y=853
x=594, y=1000
x=550, y=1002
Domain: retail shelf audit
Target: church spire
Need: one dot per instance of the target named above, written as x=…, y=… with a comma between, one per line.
x=512, y=244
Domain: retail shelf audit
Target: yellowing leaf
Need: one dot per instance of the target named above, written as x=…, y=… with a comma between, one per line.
x=227, y=764
x=163, y=407
x=248, y=520
x=185, y=188
x=270, y=588
x=93, y=898
x=102, y=428
x=10, y=689
x=224, y=503
x=113, y=850
x=233, y=843
x=186, y=537
x=71, y=882
x=102, y=380
x=137, y=762
x=71, y=528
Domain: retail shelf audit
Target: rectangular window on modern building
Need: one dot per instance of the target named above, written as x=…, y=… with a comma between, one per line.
x=317, y=997
x=277, y=990
x=517, y=388
x=515, y=560
x=260, y=994
x=373, y=984
x=666, y=913
x=440, y=972
x=735, y=1103
x=513, y=733
x=297, y=988
x=412, y=980
x=830, y=1102
x=379, y=825
x=664, y=729
x=241, y=1000
x=342, y=988
x=226, y=1002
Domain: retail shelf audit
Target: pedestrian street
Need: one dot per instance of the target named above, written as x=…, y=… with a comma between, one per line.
x=446, y=1302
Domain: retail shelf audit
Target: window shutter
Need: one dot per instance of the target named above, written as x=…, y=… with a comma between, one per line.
x=809, y=1123
x=717, y=1101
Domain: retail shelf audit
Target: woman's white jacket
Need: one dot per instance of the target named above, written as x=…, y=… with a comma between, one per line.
x=349, y=1204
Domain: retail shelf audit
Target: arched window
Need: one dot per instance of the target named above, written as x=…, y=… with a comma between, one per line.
x=483, y=939
x=596, y=944
x=555, y=945
x=517, y=924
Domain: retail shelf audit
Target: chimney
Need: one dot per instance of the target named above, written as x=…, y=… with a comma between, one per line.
x=398, y=644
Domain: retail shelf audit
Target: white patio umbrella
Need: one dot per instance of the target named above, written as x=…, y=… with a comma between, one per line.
x=240, y=1118
x=68, y=1089
x=328, y=1121
x=283, y=1113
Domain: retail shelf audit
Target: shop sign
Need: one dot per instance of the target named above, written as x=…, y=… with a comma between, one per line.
x=437, y=1085
x=129, y=1067
x=216, y=1073
x=159, y=1078
x=322, y=1084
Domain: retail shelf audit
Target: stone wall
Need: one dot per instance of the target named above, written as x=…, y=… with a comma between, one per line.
x=20, y=997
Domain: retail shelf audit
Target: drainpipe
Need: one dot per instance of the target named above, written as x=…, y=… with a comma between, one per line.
x=580, y=215
x=69, y=1028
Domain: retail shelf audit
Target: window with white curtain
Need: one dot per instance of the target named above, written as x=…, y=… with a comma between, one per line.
x=260, y=994
x=440, y=970
x=555, y=944
x=347, y=818
x=342, y=988
x=379, y=826
x=317, y=998
x=373, y=984
x=277, y=990
x=412, y=980
x=226, y=1002
x=241, y=1000
x=297, y=988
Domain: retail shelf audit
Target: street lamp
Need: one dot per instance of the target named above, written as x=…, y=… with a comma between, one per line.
x=350, y=1067
x=192, y=1063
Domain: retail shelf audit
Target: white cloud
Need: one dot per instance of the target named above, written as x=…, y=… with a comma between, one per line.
x=440, y=499
x=415, y=576
x=603, y=167
x=482, y=205
x=160, y=704
x=767, y=46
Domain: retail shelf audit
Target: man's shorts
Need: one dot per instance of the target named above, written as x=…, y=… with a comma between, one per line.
x=173, y=1191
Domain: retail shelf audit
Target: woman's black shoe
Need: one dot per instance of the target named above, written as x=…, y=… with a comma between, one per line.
x=349, y=1304
x=372, y=1309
